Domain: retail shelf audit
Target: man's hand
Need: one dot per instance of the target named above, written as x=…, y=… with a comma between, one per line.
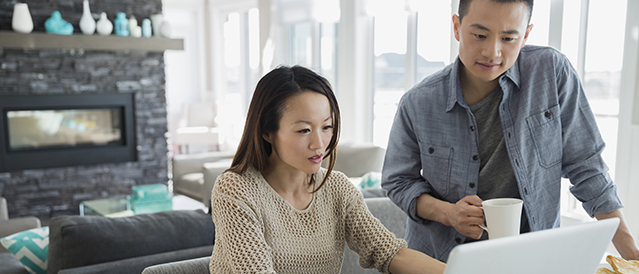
x=466, y=216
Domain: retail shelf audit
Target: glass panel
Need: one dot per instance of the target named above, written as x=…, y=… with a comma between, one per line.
x=604, y=59
x=570, y=30
x=38, y=129
x=541, y=21
x=254, y=38
x=433, y=44
x=328, y=52
x=389, y=71
x=232, y=46
x=302, y=44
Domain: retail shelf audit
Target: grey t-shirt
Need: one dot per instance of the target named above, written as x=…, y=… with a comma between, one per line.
x=496, y=176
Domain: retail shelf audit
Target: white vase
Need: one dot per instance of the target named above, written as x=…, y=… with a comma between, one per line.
x=87, y=23
x=136, y=32
x=133, y=23
x=104, y=26
x=21, y=20
x=156, y=23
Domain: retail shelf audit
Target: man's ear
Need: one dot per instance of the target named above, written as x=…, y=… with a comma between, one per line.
x=456, y=24
x=528, y=29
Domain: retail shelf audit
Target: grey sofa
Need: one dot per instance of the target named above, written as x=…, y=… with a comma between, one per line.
x=388, y=213
x=93, y=244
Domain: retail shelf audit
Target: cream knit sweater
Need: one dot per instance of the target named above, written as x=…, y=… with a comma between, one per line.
x=258, y=231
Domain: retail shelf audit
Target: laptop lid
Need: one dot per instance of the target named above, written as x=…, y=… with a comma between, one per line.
x=573, y=249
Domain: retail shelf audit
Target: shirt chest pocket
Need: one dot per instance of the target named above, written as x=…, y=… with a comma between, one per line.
x=436, y=167
x=545, y=130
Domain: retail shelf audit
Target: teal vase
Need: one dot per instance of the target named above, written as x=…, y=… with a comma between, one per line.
x=56, y=25
x=121, y=25
x=146, y=27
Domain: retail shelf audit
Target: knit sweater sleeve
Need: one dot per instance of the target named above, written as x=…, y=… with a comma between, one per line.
x=240, y=246
x=367, y=236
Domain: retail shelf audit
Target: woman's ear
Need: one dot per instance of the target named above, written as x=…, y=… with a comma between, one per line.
x=267, y=137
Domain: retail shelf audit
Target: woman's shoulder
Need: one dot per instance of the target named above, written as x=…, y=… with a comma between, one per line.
x=236, y=184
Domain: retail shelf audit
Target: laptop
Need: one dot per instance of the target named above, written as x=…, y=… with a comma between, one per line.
x=574, y=249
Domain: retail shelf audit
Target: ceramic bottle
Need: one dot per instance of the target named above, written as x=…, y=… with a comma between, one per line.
x=21, y=20
x=104, y=26
x=121, y=24
x=146, y=27
x=87, y=23
x=56, y=25
x=156, y=23
x=134, y=29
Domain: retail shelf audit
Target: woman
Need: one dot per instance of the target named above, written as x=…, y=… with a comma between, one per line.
x=277, y=211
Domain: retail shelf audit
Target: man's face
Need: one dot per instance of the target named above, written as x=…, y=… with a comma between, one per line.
x=490, y=37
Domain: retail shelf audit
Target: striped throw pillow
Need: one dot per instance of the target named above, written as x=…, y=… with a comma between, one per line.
x=31, y=247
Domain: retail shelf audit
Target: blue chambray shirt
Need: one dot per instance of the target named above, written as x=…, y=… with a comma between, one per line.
x=549, y=130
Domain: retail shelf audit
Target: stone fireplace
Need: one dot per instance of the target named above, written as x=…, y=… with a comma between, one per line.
x=31, y=73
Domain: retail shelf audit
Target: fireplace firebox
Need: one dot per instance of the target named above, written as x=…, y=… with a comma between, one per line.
x=47, y=131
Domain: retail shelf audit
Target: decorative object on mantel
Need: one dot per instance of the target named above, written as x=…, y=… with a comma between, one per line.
x=87, y=23
x=156, y=22
x=56, y=25
x=104, y=26
x=146, y=27
x=134, y=29
x=121, y=24
x=21, y=20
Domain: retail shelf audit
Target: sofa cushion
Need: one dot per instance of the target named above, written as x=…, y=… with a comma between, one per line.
x=192, y=266
x=87, y=240
x=30, y=247
x=138, y=264
x=9, y=264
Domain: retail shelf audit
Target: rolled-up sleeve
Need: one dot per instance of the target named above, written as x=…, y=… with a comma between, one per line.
x=582, y=162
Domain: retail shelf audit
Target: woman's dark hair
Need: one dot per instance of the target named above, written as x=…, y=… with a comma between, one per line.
x=266, y=110
x=464, y=5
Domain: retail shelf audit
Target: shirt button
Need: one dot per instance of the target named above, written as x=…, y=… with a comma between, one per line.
x=475, y=157
x=471, y=185
x=472, y=128
x=458, y=240
x=431, y=150
x=548, y=114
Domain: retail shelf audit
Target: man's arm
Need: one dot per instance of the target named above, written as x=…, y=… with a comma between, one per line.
x=623, y=240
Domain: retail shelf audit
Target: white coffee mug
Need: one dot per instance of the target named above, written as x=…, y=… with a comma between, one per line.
x=503, y=217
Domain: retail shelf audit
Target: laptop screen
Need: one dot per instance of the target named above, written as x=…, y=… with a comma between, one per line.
x=573, y=249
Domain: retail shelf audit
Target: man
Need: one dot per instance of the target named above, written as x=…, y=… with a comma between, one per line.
x=504, y=120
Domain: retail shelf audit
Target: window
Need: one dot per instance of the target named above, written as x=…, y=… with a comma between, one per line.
x=240, y=70
x=406, y=49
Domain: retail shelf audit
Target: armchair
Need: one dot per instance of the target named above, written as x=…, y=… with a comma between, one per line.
x=194, y=174
x=14, y=225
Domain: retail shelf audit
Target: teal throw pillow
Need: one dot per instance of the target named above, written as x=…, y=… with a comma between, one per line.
x=31, y=247
x=371, y=180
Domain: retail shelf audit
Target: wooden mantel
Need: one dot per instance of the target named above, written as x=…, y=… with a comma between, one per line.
x=40, y=40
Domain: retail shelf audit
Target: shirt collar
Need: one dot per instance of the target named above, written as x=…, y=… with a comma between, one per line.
x=457, y=96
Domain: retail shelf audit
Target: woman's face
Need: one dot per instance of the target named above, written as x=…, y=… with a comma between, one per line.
x=306, y=129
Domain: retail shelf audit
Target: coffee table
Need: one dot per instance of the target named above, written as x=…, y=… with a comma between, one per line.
x=119, y=207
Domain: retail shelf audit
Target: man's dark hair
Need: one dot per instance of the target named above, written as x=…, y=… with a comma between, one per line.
x=464, y=5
